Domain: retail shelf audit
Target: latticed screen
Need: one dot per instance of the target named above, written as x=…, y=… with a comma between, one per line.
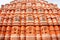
x=29, y=20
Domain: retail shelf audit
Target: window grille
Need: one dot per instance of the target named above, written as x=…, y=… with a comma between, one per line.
x=42, y=19
x=29, y=10
x=17, y=11
x=16, y=18
x=29, y=18
x=40, y=10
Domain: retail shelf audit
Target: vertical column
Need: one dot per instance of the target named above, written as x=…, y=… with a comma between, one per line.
x=22, y=20
x=38, y=35
x=5, y=20
x=9, y=21
x=50, y=11
x=22, y=34
x=49, y=21
x=36, y=20
x=23, y=11
x=54, y=20
x=34, y=7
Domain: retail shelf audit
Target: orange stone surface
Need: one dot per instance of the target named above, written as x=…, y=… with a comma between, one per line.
x=29, y=20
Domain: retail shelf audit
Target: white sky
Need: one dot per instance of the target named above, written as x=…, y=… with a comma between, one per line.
x=50, y=1
x=55, y=2
x=2, y=2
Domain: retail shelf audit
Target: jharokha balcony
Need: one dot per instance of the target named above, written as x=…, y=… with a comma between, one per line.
x=29, y=20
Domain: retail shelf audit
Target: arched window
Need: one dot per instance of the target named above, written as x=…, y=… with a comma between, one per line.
x=29, y=4
x=3, y=11
x=23, y=6
x=55, y=6
x=6, y=5
x=55, y=11
x=22, y=11
x=51, y=5
x=12, y=11
x=8, y=11
x=47, y=5
x=50, y=11
x=18, y=5
x=29, y=18
x=29, y=10
x=16, y=19
x=42, y=19
x=14, y=5
x=40, y=10
x=38, y=4
x=10, y=6
x=46, y=11
x=17, y=11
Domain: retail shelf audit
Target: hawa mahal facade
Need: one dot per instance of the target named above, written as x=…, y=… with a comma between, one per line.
x=29, y=20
